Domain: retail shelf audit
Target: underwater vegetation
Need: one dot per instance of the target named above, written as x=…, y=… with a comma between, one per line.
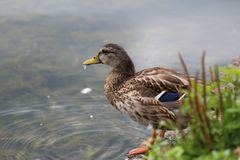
x=213, y=107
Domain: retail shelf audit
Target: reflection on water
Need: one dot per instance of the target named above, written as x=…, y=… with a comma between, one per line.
x=45, y=113
x=72, y=128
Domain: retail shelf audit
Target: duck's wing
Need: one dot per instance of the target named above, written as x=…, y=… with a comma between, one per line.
x=160, y=79
x=141, y=105
x=147, y=84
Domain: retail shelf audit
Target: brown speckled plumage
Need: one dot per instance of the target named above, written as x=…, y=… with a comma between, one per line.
x=133, y=93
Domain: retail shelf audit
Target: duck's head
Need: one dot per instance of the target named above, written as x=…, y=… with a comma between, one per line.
x=114, y=56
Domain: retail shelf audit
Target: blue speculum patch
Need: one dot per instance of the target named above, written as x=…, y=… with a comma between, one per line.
x=169, y=96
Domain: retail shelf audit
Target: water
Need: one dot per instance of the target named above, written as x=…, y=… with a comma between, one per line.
x=76, y=128
x=43, y=113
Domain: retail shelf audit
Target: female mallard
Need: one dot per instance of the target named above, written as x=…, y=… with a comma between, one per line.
x=148, y=97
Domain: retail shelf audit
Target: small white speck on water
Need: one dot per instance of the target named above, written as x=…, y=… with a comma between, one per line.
x=41, y=124
x=48, y=96
x=86, y=90
x=55, y=106
x=37, y=159
x=91, y=116
x=84, y=67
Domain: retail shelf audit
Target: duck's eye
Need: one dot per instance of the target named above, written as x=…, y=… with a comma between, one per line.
x=105, y=51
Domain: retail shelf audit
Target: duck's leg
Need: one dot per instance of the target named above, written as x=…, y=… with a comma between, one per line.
x=162, y=133
x=154, y=134
x=143, y=148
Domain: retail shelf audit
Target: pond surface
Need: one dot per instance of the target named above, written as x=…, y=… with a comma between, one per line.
x=43, y=113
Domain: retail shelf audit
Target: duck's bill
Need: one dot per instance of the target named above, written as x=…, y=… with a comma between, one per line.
x=94, y=60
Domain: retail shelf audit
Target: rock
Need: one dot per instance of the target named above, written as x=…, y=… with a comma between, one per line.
x=170, y=136
x=236, y=62
x=137, y=157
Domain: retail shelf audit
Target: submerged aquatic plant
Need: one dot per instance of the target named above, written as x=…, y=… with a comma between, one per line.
x=213, y=107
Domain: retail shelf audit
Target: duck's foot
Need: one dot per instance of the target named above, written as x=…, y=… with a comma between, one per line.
x=144, y=146
x=140, y=150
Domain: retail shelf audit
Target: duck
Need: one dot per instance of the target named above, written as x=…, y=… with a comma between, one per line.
x=150, y=96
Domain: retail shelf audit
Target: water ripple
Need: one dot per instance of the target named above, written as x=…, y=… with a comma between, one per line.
x=72, y=130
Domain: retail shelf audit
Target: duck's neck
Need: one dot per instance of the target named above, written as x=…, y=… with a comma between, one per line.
x=119, y=75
